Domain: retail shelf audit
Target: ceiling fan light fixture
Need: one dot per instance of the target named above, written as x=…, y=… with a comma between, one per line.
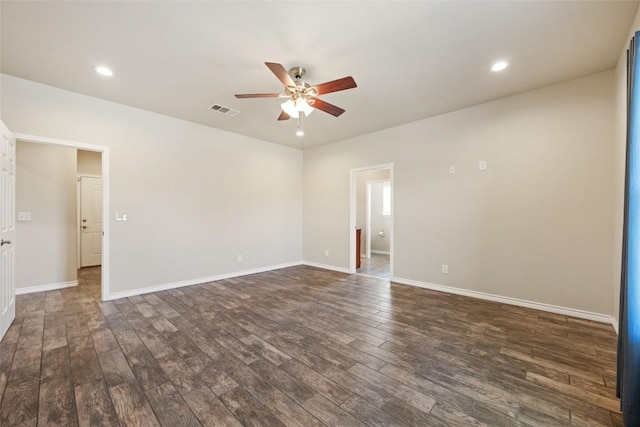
x=292, y=107
x=289, y=107
x=303, y=105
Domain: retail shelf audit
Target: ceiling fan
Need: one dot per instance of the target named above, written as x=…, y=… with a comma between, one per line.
x=301, y=97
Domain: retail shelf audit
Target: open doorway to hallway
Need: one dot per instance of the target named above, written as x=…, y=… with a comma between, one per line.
x=372, y=219
x=49, y=203
x=89, y=219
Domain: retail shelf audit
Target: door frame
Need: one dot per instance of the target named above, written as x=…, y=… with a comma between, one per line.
x=104, y=150
x=353, y=174
x=78, y=214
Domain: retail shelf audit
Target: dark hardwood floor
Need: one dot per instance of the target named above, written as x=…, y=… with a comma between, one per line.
x=300, y=347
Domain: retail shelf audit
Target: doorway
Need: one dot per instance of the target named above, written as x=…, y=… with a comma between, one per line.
x=89, y=214
x=372, y=221
x=100, y=273
x=375, y=259
x=89, y=219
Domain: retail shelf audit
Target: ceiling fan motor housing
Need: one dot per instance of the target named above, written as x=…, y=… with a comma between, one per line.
x=297, y=73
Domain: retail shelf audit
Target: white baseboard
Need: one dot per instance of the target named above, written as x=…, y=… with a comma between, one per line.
x=381, y=252
x=603, y=318
x=597, y=317
x=199, y=280
x=326, y=267
x=44, y=288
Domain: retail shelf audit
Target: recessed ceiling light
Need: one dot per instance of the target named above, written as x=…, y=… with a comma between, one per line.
x=499, y=66
x=104, y=71
x=300, y=132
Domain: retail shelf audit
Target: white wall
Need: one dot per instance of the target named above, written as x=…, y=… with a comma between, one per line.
x=196, y=196
x=46, y=187
x=536, y=225
x=620, y=144
x=89, y=162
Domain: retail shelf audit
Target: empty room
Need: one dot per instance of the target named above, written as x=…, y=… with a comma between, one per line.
x=318, y=213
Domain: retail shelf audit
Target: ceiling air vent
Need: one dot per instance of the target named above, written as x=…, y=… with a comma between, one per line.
x=224, y=110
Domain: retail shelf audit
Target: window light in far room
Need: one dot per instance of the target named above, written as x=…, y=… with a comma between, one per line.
x=386, y=199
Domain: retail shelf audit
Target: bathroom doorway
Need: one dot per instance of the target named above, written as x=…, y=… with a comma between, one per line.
x=372, y=221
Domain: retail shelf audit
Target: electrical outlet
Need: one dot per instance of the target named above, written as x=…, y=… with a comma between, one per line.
x=452, y=169
x=326, y=252
x=482, y=165
x=239, y=258
x=445, y=269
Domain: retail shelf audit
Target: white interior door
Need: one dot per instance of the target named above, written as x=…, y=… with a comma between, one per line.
x=91, y=221
x=7, y=230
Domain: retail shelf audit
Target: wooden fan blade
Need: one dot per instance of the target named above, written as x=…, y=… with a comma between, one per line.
x=283, y=116
x=257, y=95
x=326, y=107
x=281, y=73
x=335, y=85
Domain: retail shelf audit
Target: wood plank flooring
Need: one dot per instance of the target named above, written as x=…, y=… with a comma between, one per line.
x=300, y=347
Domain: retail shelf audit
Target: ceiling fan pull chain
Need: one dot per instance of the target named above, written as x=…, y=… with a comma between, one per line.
x=300, y=129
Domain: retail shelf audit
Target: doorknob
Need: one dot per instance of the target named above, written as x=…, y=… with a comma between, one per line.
x=84, y=226
x=5, y=242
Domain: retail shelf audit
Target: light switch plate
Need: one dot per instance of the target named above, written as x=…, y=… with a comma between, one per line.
x=122, y=216
x=24, y=216
x=482, y=165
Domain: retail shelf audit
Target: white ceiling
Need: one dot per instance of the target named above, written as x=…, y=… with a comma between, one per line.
x=411, y=60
